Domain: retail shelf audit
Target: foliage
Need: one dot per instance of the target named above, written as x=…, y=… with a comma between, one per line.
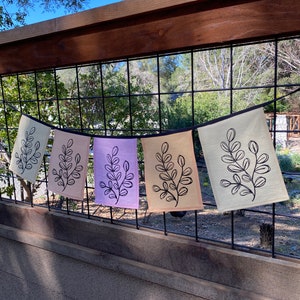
x=32, y=94
x=186, y=111
x=14, y=18
x=5, y=188
x=109, y=104
x=288, y=161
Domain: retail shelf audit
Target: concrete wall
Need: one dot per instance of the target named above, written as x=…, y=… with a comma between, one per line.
x=48, y=255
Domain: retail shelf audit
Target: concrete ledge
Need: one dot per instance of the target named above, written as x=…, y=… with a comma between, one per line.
x=177, y=263
x=166, y=278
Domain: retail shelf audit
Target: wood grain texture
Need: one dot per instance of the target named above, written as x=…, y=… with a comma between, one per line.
x=196, y=24
x=113, y=12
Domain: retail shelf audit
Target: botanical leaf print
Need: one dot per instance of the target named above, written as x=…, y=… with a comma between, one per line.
x=29, y=153
x=29, y=148
x=245, y=180
x=119, y=179
x=174, y=180
x=70, y=166
x=241, y=161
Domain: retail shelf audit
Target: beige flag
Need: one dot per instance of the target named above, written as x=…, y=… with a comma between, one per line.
x=241, y=162
x=29, y=148
x=172, y=181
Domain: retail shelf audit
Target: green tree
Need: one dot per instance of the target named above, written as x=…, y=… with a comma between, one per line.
x=10, y=18
x=110, y=102
x=34, y=94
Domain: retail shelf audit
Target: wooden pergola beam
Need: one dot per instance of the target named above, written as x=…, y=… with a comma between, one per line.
x=134, y=28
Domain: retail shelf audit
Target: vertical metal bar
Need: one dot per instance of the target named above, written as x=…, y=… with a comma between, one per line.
x=29, y=185
x=274, y=136
x=136, y=220
x=231, y=111
x=196, y=226
x=67, y=202
x=193, y=123
x=19, y=93
x=87, y=201
x=39, y=117
x=37, y=95
x=103, y=99
x=21, y=111
x=165, y=223
x=111, y=215
x=193, y=87
x=79, y=99
x=160, y=124
x=129, y=98
x=57, y=98
x=81, y=129
x=158, y=92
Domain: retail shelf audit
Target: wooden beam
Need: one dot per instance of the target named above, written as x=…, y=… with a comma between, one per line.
x=112, y=12
x=187, y=24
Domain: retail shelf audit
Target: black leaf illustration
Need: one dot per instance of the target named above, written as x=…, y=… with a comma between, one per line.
x=174, y=180
x=118, y=181
x=29, y=153
x=244, y=181
x=69, y=167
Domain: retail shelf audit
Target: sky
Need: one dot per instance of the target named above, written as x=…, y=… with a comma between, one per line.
x=36, y=15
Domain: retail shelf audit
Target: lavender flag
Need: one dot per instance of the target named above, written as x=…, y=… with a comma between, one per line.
x=116, y=172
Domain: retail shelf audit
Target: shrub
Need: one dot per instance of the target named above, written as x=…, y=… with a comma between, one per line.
x=285, y=162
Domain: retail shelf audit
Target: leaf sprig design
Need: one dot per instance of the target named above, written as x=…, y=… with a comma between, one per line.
x=174, y=181
x=118, y=182
x=246, y=179
x=29, y=151
x=68, y=171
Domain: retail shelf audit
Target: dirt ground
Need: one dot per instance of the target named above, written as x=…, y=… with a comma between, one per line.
x=210, y=224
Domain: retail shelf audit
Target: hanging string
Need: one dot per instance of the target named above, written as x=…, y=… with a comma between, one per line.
x=167, y=132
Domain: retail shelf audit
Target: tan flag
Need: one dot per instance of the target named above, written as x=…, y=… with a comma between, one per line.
x=172, y=181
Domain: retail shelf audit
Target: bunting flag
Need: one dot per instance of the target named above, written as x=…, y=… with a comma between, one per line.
x=116, y=172
x=172, y=181
x=241, y=162
x=68, y=164
x=29, y=148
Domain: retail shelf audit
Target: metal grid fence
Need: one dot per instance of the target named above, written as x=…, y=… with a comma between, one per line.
x=155, y=94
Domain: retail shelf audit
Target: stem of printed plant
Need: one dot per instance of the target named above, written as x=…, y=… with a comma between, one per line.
x=25, y=162
x=176, y=185
x=119, y=187
x=253, y=192
x=254, y=189
x=68, y=176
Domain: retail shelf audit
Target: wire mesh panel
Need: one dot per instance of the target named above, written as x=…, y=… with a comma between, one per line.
x=163, y=93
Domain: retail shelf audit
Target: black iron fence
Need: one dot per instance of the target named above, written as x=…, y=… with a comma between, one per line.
x=155, y=94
